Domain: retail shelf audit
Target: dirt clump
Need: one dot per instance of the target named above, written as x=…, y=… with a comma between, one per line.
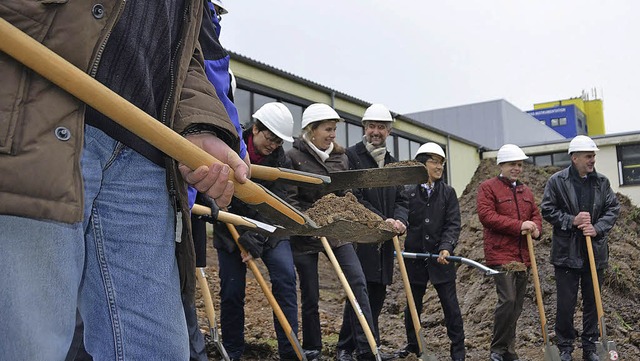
x=476, y=292
x=331, y=208
x=403, y=163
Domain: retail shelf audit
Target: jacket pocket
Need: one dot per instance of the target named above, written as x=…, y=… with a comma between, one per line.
x=34, y=18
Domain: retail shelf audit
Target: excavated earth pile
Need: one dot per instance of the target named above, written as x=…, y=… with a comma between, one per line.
x=476, y=293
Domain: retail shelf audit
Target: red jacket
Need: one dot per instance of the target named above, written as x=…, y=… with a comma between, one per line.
x=502, y=209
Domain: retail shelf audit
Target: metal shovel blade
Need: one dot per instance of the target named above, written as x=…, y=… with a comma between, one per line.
x=358, y=178
x=551, y=352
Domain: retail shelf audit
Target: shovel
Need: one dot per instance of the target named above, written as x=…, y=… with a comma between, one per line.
x=64, y=74
x=352, y=298
x=422, y=343
x=469, y=262
x=358, y=178
x=607, y=350
x=360, y=232
x=551, y=352
x=286, y=326
x=211, y=313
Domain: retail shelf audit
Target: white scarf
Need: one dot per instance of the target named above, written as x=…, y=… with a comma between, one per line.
x=377, y=152
x=323, y=154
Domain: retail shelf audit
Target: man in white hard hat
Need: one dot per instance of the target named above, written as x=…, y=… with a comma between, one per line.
x=434, y=227
x=389, y=203
x=506, y=208
x=578, y=202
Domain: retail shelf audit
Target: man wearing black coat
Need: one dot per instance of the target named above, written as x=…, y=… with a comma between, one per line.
x=388, y=202
x=434, y=227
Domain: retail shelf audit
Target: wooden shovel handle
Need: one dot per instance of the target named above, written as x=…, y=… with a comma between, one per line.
x=407, y=289
x=536, y=284
x=596, y=284
x=59, y=71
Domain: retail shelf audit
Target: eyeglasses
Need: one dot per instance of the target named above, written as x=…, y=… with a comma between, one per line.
x=437, y=162
x=273, y=140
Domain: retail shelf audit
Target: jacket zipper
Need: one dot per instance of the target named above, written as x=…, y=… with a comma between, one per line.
x=94, y=67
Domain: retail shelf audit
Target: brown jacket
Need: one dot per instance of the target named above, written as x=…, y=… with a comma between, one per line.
x=40, y=174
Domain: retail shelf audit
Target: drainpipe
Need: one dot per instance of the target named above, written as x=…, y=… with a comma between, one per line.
x=333, y=99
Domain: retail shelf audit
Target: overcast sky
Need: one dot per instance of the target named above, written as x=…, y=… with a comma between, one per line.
x=423, y=55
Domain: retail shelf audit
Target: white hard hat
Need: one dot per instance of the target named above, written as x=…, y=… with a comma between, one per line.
x=430, y=148
x=510, y=153
x=223, y=9
x=377, y=113
x=277, y=118
x=582, y=143
x=317, y=112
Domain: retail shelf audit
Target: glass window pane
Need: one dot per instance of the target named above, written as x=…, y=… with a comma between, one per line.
x=413, y=146
x=630, y=164
x=242, y=100
x=260, y=100
x=561, y=159
x=355, y=133
x=341, y=133
x=296, y=111
x=542, y=160
x=404, y=150
x=391, y=145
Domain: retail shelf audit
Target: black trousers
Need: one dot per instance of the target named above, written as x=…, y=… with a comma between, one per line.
x=307, y=267
x=377, y=294
x=510, y=287
x=452, y=317
x=567, y=282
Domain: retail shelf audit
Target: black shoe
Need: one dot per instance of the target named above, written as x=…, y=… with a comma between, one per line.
x=406, y=351
x=344, y=355
x=590, y=356
x=313, y=355
x=494, y=356
x=565, y=355
x=386, y=356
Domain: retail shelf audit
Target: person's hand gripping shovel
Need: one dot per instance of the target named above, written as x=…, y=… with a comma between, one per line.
x=551, y=352
x=422, y=343
x=59, y=71
x=607, y=350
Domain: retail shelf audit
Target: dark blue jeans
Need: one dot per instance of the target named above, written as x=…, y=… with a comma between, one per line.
x=233, y=271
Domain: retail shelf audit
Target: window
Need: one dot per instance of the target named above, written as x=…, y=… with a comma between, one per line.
x=542, y=160
x=558, y=122
x=260, y=100
x=341, y=134
x=629, y=164
x=404, y=152
x=561, y=159
x=354, y=134
x=413, y=146
x=391, y=146
x=242, y=101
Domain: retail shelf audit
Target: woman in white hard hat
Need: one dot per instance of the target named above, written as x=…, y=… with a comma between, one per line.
x=507, y=209
x=434, y=227
x=273, y=126
x=317, y=152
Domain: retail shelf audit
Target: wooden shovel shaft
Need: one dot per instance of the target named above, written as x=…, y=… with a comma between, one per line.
x=407, y=289
x=352, y=298
x=286, y=326
x=211, y=313
x=596, y=284
x=59, y=71
x=536, y=283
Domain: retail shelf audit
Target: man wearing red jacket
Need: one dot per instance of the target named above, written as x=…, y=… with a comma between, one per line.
x=507, y=209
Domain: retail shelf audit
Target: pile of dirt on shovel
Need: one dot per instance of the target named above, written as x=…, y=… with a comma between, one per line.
x=476, y=292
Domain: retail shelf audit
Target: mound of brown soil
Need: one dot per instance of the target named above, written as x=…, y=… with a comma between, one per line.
x=476, y=293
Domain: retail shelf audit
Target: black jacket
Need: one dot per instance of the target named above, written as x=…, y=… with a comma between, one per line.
x=388, y=202
x=434, y=225
x=222, y=238
x=560, y=206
